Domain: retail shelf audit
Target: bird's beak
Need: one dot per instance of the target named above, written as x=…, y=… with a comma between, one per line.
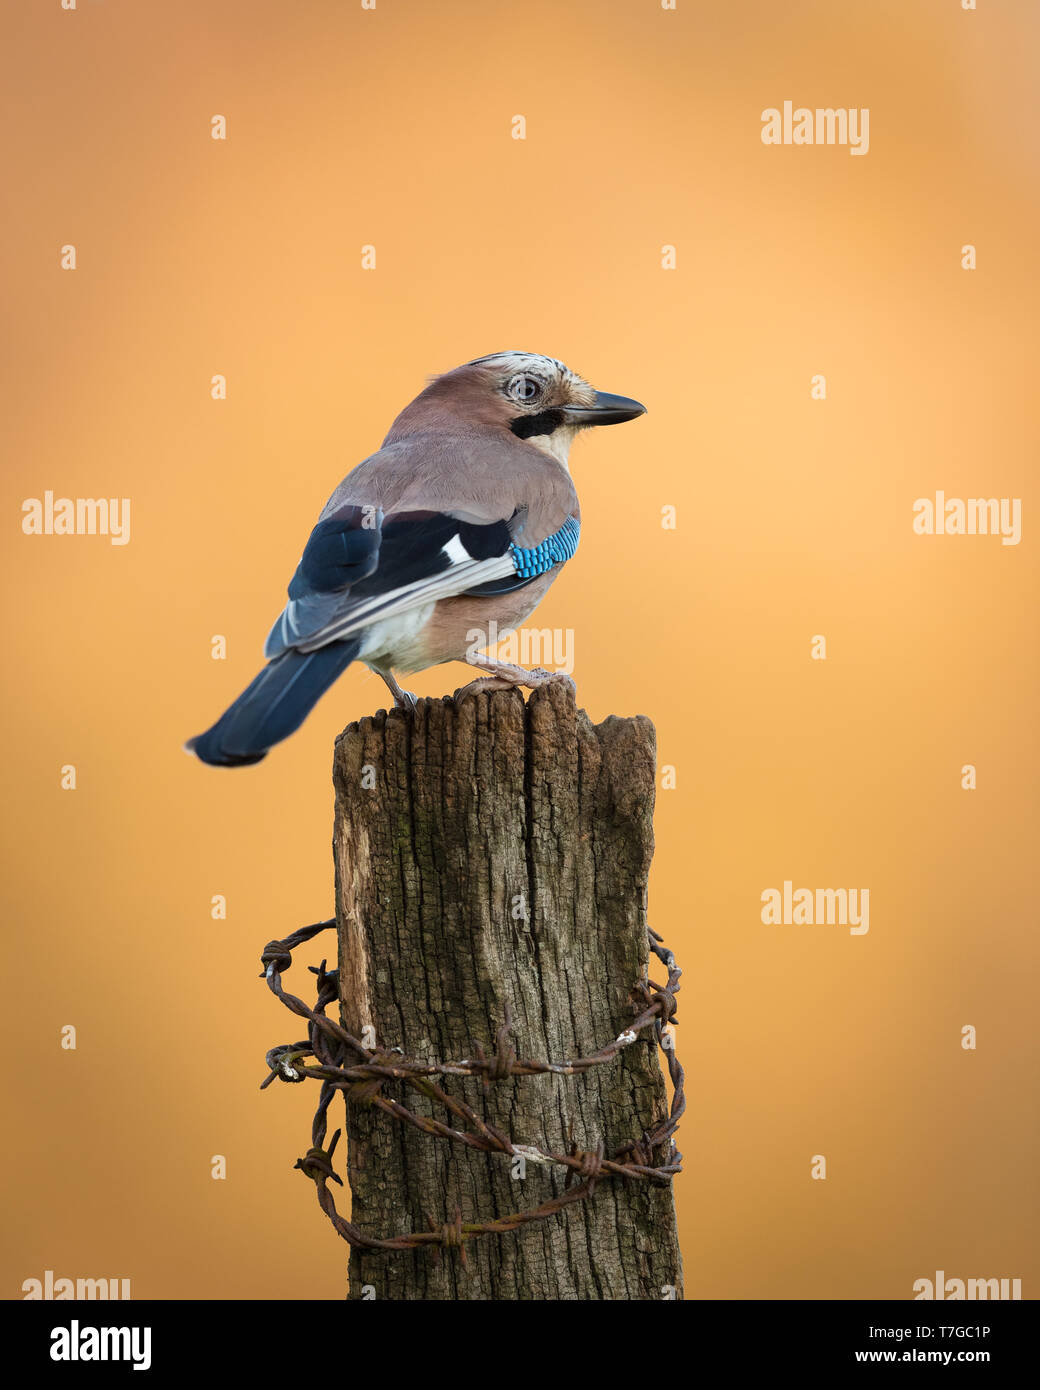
x=605, y=410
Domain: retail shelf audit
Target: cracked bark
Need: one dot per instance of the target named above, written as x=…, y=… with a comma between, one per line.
x=501, y=858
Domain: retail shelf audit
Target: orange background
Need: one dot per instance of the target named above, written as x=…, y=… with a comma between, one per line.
x=197, y=257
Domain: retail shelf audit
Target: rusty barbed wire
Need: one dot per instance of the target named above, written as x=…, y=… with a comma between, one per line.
x=362, y=1081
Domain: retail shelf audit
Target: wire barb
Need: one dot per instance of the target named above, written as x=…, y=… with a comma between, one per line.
x=363, y=1076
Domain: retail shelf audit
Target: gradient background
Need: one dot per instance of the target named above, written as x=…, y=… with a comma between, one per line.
x=197, y=257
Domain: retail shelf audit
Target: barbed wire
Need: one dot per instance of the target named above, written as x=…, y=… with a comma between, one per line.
x=362, y=1081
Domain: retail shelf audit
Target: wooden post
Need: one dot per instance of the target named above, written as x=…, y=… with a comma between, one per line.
x=494, y=855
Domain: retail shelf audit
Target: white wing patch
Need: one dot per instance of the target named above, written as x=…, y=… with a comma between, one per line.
x=456, y=551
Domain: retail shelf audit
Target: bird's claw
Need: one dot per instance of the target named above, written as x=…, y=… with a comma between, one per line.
x=532, y=679
x=481, y=684
x=554, y=678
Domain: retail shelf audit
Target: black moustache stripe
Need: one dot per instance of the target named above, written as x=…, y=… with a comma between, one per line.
x=524, y=426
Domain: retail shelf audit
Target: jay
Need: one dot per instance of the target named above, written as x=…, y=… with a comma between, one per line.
x=464, y=517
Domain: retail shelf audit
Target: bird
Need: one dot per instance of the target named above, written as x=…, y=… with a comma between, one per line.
x=459, y=523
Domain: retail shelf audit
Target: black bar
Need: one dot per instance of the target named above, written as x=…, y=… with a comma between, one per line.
x=311, y=1339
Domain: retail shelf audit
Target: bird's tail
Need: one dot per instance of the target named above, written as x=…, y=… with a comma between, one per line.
x=273, y=706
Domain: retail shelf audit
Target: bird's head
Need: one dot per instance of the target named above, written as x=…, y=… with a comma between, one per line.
x=535, y=398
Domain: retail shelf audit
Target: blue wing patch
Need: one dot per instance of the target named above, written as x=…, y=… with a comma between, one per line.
x=531, y=561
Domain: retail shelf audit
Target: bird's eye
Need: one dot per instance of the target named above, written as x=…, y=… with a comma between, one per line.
x=524, y=388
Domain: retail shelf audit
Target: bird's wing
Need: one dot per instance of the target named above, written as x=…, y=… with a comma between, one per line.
x=437, y=538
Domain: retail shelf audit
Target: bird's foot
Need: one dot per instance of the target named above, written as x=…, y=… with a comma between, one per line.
x=403, y=699
x=539, y=677
x=507, y=677
x=481, y=684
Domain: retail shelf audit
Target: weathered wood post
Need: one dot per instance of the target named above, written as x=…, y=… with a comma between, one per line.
x=492, y=856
